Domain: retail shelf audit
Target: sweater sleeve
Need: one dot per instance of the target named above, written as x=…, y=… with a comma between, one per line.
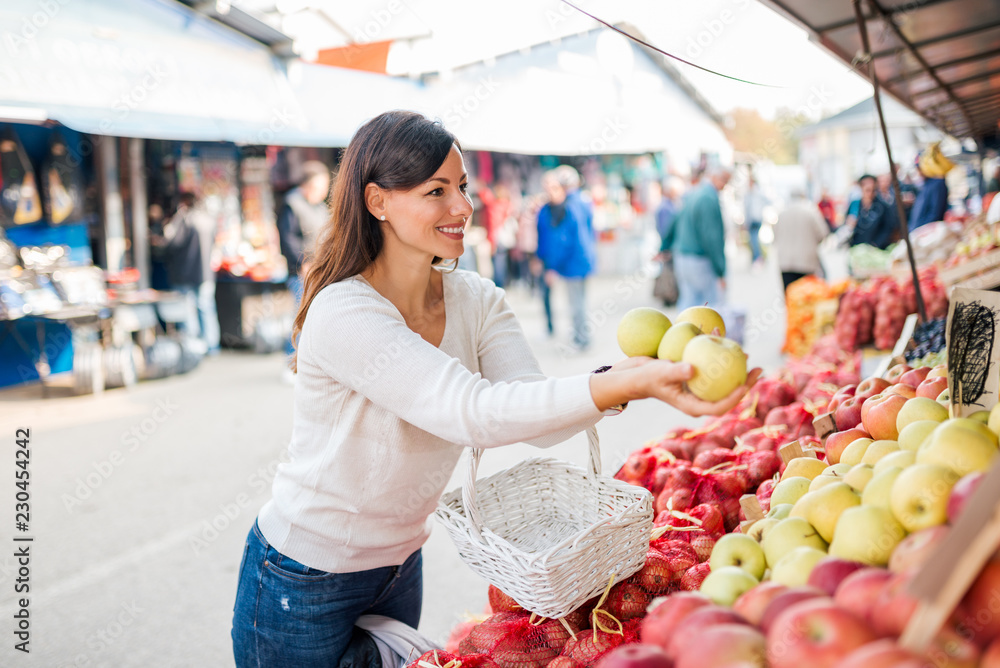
x=505, y=356
x=366, y=346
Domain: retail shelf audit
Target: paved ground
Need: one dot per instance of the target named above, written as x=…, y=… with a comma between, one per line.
x=141, y=499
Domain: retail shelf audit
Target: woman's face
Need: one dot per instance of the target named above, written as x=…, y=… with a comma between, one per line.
x=429, y=218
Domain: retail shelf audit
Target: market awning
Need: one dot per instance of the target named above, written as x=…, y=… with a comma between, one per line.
x=158, y=69
x=939, y=57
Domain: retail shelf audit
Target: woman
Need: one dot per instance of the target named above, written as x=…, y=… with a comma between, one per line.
x=399, y=367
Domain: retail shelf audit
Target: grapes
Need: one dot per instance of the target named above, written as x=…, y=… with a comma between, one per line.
x=929, y=343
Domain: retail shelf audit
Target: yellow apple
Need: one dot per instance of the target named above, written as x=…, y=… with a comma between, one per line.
x=640, y=331
x=788, y=534
x=789, y=490
x=859, y=476
x=957, y=448
x=920, y=408
x=974, y=425
x=994, y=421
x=877, y=450
x=794, y=568
x=779, y=511
x=899, y=459
x=821, y=481
x=980, y=416
x=675, y=340
x=919, y=497
x=867, y=534
x=758, y=530
x=827, y=506
x=940, y=370
x=911, y=436
x=855, y=452
x=805, y=467
x=720, y=366
x=878, y=491
x=706, y=319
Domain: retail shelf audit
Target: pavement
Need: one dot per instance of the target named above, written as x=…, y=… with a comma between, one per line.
x=141, y=499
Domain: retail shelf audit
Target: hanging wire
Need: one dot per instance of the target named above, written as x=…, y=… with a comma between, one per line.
x=668, y=55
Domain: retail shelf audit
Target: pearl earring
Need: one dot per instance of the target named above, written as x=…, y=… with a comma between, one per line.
x=382, y=218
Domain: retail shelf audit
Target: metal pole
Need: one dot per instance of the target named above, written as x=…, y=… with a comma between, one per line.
x=140, y=219
x=900, y=211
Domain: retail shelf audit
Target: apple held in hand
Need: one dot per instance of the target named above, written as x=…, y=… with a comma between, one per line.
x=726, y=584
x=675, y=340
x=706, y=319
x=640, y=331
x=740, y=550
x=720, y=366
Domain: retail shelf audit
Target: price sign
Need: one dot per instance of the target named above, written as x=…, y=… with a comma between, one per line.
x=973, y=353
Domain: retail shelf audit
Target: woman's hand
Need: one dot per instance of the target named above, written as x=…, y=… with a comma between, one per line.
x=667, y=385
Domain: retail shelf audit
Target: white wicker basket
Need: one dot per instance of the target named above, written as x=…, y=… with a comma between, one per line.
x=548, y=533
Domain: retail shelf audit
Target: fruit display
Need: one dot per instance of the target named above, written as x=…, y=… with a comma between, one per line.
x=810, y=304
x=928, y=347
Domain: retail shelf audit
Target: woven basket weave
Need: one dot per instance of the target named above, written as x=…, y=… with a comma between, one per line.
x=548, y=533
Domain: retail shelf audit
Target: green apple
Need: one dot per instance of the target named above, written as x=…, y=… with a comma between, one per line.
x=838, y=470
x=640, y=331
x=867, y=534
x=919, y=497
x=725, y=585
x=794, y=568
x=788, y=534
x=789, y=490
x=855, y=451
x=720, y=366
x=675, y=340
x=859, y=476
x=827, y=506
x=759, y=529
x=954, y=446
x=899, y=459
x=737, y=549
x=945, y=397
x=706, y=319
x=974, y=425
x=821, y=481
x=980, y=416
x=877, y=450
x=994, y=421
x=779, y=511
x=920, y=408
x=879, y=489
x=804, y=467
x=913, y=434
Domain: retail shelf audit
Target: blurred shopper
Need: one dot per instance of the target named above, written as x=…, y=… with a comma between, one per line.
x=208, y=316
x=754, y=202
x=797, y=234
x=303, y=215
x=373, y=444
x=180, y=249
x=826, y=209
x=499, y=229
x=697, y=241
x=566, y=247
x=526, y=244
x=874, y=223
x=932, y=200
x=665, y=286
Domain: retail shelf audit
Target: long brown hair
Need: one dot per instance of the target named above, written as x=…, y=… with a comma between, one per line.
x=397, y=150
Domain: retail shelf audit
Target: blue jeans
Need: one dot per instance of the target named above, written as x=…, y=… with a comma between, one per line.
x=697, y=283
x=288, y=614
x=191, y=324
x=208, y=316
x=295, y=287
x=576, y=288
x=753, y=230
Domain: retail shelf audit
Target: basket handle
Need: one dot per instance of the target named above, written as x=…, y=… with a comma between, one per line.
x=469, y=484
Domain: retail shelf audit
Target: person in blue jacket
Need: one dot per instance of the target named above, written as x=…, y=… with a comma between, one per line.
x=566, y=247
x=932, y=199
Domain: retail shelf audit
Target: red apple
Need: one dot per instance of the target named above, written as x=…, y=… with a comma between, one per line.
x=724, y=646
x=635, y=656
x=932, y=387
x=830, y=572
x=991, y=657
x=979, y=615
x=894, y=606
x=902, y=389
x=839, y=440
x=883, y=653
x=817, y=634
x=879, y=416
x=951, y=650
x=869, y=387
x=859, y=590
x=685, y=634
x=961, y=492
x=848, y=413
x=914, y=550
x=658, y=626
x=785, y=600
x=752, y=603
x=896, y=372
x=839, y=396
x=915, y=376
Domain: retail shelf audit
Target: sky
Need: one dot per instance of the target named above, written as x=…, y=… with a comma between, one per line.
x=741, y=38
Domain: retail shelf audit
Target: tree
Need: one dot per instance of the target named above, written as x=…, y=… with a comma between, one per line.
x=774, y=140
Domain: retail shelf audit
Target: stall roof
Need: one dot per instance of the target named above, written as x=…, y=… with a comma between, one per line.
x=941, y=58
x=158, y=69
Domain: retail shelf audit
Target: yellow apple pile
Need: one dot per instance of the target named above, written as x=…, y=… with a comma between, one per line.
x=720, y=365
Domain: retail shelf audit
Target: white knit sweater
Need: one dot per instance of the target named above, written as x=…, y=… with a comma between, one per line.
x=381, y=418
